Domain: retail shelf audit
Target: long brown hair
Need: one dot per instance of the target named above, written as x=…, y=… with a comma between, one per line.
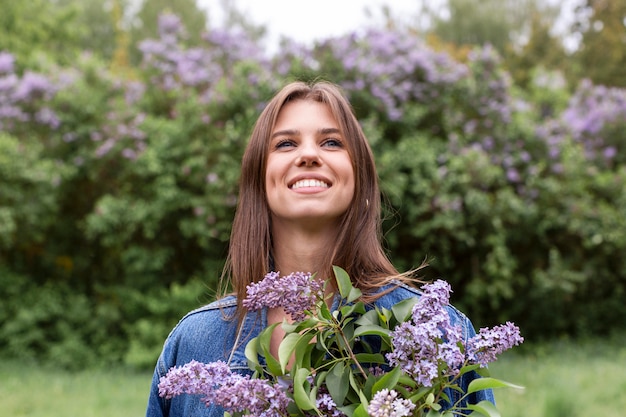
x=358, y=247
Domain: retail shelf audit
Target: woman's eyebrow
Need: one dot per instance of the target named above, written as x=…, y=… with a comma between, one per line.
x=329, y=130
x=286, y=132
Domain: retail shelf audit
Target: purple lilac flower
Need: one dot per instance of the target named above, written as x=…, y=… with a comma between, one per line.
x=6, y=62
x=256, y=396
x=395, y=66
x=32, y=86
x=386, y=403
x=488, y=343
x=219, y=386
x=297, y=293
x=193, y=378
x=428, y=340
x=327, y=406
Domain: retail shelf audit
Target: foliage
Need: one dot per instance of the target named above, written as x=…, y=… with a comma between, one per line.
x=500, y=23
x=543, y=51
x=601, y=27
x=144, y=24
x=121, y=186
x=34, y=28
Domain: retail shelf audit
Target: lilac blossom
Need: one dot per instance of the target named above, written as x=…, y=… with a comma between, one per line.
x=193, y=378
x=386, y=403
x=199, y=70
x=25, y=99
x=488, y=343
x=33, y=86
x=395, y=66
x=219, y=386
x=7, y=62
x=296, y=293
x=327, y=406
x=428, y=339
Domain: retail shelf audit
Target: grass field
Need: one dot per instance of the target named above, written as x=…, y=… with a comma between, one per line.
x=565, y=380
x=561, y=380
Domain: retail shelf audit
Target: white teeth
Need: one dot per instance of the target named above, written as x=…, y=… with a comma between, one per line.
x=309, y=183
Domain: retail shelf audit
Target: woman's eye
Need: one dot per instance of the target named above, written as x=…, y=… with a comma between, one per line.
x=284, y=143
x=334, y=143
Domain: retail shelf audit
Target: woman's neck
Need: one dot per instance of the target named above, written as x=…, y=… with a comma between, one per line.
x=301, y=250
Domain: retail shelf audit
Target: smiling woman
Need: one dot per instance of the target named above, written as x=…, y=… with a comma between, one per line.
x=308, y=202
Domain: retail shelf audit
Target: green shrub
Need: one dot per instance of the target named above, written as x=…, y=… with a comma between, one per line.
x=118, y=193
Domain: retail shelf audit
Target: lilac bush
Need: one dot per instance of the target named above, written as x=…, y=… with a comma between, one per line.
x=25, y=98
x=517, y=194
x=201, y=70
x=596, y=118
x=394, y=67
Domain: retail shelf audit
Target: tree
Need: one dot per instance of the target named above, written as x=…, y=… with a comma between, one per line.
x=478, y=22
x=29, y=29
x=543, y=50
x=601, y=26
x=145, y=23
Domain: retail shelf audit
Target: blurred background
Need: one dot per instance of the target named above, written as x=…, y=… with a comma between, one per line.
x=498, y=126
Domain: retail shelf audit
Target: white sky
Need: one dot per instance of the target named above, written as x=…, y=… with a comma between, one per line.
x=307, y=21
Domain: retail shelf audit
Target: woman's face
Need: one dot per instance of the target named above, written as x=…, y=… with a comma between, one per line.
x=309, y=177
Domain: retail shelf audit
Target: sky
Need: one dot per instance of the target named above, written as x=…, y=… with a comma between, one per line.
x=311, y=20
x=307, y=21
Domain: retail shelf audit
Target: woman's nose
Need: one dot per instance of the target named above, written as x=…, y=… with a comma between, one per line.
x=308, y=155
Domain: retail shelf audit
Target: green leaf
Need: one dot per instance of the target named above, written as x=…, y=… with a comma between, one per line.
x=300, y=396
x=480, y=384
x=360, y=411
x=389, y=380
x=371, y=329
x=346, y=290
x=348, y=410
x=303, y=351
x=338, y=382
x=324, y=313
x=485, y=408
x=265, y=337
x=349, y=310
x=252, y=354
x=357, y=389
x=370, y=358
x=368, y=318
x=300, y=325
x=469, y=368
x=421, y=392
x=286, y=348
x=404, y=309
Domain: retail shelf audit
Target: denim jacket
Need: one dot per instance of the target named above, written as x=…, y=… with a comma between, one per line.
x=207, y=335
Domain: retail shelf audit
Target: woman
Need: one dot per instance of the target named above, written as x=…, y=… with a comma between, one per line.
x=308, y=200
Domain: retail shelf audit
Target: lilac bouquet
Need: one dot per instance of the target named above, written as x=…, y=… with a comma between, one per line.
x=406, y=361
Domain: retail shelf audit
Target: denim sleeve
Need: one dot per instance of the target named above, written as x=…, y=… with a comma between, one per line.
x=157, y=406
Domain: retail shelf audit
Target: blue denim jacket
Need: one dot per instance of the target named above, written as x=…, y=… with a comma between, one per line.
x=206, y=335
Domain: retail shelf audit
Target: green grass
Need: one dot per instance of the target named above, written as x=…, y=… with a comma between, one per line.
x=564, y=379
x=26, y=390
